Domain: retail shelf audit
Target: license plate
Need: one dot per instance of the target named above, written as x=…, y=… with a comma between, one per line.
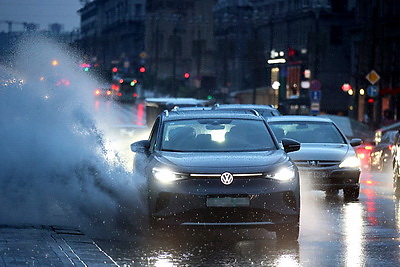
x=228, y=202
x=319, y=174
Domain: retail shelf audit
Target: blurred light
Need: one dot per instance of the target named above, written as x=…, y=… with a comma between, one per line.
x=114, y=87
x=133, y=82
x=121, y=80
x=346, y=87
x=54, y=62
x=97, y=92
x=362, y=91
x=276, y=61
x=135, y=94
x=305, y=84
x=41, y=78
x=350, y=92
x=115, y=69
x=108, y=92
x=276, y=85
x=371, y=100
x=209, y=97
x=119, y=94
x=186, y=75
x=142, y=69
x=307, y=73
x=368, y=147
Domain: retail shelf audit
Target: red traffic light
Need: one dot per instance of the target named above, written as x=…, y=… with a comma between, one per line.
x=142, y=69
x=186, y=75
x=115, y=69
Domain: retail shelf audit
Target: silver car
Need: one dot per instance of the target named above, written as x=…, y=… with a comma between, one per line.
x=327, y=160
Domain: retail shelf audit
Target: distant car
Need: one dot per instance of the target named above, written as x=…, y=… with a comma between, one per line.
x=156, y=105
x=219, y=168
x=264, y=110
x=327, y=160
x=381, y=157
x=103, y=92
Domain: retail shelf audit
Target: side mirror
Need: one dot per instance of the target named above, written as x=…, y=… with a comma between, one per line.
x=140, y=146
x=290, y=145
x=355, y=142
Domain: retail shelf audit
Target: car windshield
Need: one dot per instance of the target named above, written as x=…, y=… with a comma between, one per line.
x=307, y=132
x=214, y=135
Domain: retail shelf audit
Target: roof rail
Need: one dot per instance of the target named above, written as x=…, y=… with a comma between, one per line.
x=255, y=112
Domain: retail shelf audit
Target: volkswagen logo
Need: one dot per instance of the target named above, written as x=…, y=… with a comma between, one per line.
x=226, y=178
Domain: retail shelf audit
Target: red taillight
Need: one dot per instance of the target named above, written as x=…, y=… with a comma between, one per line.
x=114, y=87
x=134, y=94
x=119, y=94
x=390, y=147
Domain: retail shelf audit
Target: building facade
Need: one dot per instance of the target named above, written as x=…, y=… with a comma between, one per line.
x=112, y=34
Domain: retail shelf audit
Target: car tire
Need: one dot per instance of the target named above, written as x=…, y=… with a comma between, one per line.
x=289, y=232
x=396, y=180
x=351, y=193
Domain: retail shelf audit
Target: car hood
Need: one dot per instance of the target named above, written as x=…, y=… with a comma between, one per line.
x=216, y=161
x=332, y=152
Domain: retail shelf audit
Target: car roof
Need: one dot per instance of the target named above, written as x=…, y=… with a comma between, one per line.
x=299, y=118
x=209, y=112
x=247, y=106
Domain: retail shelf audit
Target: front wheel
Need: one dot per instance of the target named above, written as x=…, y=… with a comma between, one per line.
x=396, y=181
x=288, y=232
x=352, y=193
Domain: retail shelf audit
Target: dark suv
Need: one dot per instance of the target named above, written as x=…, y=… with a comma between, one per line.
x=219, y=168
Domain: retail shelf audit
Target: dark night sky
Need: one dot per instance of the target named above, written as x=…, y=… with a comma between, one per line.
x=43, y=12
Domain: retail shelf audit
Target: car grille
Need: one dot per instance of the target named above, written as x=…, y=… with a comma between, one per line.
x=316, y=163
x=235, y=175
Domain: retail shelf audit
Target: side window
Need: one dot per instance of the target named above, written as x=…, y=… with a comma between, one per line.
x=154, y=134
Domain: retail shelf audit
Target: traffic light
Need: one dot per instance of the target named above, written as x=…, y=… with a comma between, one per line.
x=142, y=69
x=186, y=75
x=115, y=69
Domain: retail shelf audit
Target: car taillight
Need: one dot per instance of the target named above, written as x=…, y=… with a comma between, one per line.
x=368, y=147
x=134, y=94
x=390, y=147
x=97, y=92
x=119, y=94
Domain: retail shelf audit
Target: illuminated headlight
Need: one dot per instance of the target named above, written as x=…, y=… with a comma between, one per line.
x=350, y=162
x=165, y=175
x=283, y=174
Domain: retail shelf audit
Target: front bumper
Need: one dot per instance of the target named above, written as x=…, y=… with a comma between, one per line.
x=247, y=203
x=329, y=178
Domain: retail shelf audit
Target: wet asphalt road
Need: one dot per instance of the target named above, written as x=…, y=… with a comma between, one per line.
x=333, y=233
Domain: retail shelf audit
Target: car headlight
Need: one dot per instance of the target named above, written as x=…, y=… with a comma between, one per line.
x=350, y=162
x=165, y=175
x=283, y=174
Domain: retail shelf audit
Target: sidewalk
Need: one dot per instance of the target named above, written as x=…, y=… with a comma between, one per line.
x=49, y=246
